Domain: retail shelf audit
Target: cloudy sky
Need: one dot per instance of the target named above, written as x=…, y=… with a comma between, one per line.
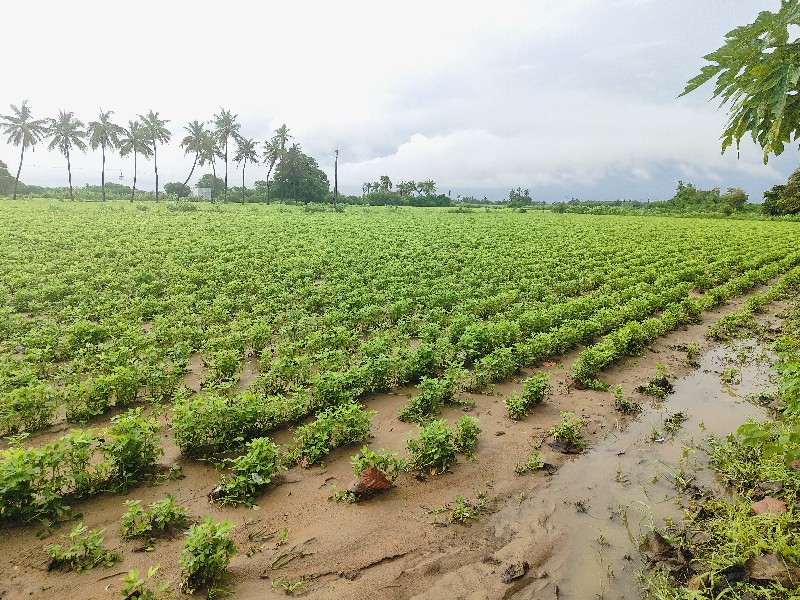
x=574, y=98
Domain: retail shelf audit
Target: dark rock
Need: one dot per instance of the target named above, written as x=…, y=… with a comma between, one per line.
x=771, y=486
x=771, y=568
x=657, y=550
x=565, y=447
x=357, y=487
x=514, y=571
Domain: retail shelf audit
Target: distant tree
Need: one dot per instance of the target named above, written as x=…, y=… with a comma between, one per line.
x=67, y=133
x=6, y=179
x=23, y=130
x=195, y=141
x=404, y=188
x=385, y=183
x=157, y=133
x=783, y=199
x=135, y=140
x=246, y=150
x=105, y=134
x=225, y=128
x=301, y=176
x=757, y=72
x=428, y=187
x=736, y=198
x=181, y=190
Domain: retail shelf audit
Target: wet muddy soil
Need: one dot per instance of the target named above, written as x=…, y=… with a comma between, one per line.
x=565, y=532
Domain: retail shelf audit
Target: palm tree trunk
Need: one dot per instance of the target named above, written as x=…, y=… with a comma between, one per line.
x=69, y=176
x=155, y=164
x=213, y=183
x=133, y=190
x=103, y=174
x=244, y=166
x=269, y=171
x=19, y=170
x=226, y=171
x=196, y=156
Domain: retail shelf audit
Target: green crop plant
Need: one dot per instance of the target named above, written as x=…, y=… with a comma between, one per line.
x=205, y=557
x=569, y=430
x=386, y=462
x=536, y=390
x=249, y=473
x=85, y=551
x=340, y=426
x=162, y=517
x=436, y=446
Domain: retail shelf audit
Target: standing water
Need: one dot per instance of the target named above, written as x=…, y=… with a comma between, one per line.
x=626, y=484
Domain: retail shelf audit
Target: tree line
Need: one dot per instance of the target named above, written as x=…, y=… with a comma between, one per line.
x=216, y=141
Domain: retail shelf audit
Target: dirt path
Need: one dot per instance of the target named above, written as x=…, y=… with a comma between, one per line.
x=392, y=546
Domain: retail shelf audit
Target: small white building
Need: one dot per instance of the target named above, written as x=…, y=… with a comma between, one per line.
x=203, y=193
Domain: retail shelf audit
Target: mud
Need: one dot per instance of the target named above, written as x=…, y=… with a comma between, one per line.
x=575, y=529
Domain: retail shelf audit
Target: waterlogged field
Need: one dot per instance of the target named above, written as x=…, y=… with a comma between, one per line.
x=219, y=329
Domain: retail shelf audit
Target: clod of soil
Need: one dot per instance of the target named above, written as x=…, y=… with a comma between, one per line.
x=514, y=571
x=769, y=505
x=565, y=447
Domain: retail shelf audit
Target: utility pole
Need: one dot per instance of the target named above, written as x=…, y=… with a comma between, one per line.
x=335, y=179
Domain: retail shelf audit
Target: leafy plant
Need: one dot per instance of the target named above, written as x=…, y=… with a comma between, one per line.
x=332, y=428
x=536, y=390
x=434, y=394
x=387, y=463
x=134, y=447
x=437, y=445
x=569, y=430
x=533, y=462
x=135, y=587
x=206, y=556
x=85, y=552
x=625, y=405
x=250, y=472
x=163, y=517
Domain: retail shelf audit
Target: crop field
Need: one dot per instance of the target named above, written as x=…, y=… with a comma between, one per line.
x=221, y=327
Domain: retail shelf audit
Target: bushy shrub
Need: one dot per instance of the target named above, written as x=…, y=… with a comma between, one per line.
x=206, y=556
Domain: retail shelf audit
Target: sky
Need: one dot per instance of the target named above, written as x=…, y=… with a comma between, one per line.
x=568, y=99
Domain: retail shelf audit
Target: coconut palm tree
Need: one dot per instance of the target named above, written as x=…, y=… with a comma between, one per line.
x=209, y=154
x=134, y=139
x=105, y=134
x=23, y=130
x=272, y=152
x=225, y=128
x=281, y=138
x=195, y=142
x=157, y=133
x=67, y=133
x=245, y=150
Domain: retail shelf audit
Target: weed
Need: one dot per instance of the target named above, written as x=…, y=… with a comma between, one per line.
x=533, y=462
x=85, y=552
x=627, y=406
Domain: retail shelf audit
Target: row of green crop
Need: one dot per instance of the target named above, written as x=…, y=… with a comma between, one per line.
x=36, y=483
x=632, y=337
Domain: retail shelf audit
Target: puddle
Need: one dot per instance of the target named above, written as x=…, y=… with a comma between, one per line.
x=613, y=494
